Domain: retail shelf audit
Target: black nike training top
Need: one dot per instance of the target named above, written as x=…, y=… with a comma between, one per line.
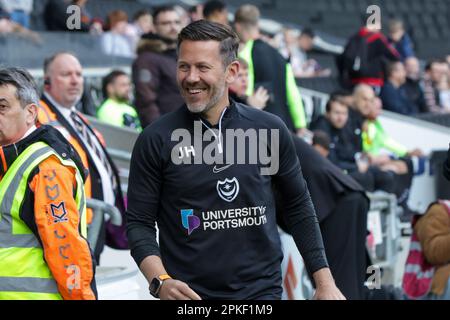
x=217, y=222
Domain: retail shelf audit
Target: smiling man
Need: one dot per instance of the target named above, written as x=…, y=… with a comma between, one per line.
x=218, y=237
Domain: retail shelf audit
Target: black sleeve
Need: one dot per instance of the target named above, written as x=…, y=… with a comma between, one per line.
x=447, y=166
x=298, y=209
x=144, y=187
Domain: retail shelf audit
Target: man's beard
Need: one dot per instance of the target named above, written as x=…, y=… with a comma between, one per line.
x=211, y=103
x=122, y=99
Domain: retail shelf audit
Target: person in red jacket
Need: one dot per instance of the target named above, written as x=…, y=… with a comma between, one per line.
x=363, y=58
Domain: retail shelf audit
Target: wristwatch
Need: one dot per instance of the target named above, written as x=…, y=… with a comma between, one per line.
x=155, y=285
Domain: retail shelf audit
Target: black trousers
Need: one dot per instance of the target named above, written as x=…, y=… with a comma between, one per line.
x=344, y=235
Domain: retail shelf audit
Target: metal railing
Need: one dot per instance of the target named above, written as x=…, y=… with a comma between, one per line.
x=101, y=209
x=385, y=253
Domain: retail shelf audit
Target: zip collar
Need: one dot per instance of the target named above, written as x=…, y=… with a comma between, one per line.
x=231, y=111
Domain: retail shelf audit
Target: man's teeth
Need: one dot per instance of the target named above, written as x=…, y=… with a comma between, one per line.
x=194, y=91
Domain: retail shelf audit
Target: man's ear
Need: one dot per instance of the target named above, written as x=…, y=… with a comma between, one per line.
x=32, y=113
x=232, y=72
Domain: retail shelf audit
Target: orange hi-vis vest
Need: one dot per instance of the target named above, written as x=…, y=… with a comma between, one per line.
x=47, y=116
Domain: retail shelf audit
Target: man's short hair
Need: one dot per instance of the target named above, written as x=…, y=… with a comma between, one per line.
x=308, y=32
x=204, y=30
x=340, y=93
x=110, y=78
x=430, y=63
x=49, y=60
x=26, y=90
x=247, y=15
x=213, y=6
x=395, y=24
x=140, y=13
x=391, y=67
x=160, y=9
x=332, y=101
x=322, y=139
x=114, y=17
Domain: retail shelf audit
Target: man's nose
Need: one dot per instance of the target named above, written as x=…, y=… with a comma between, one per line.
x=193, y=75
x=75, y=79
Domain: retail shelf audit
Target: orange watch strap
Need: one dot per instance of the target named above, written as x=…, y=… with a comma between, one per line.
x=164, y=277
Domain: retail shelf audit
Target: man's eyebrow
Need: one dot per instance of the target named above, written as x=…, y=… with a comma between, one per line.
x=3, y=100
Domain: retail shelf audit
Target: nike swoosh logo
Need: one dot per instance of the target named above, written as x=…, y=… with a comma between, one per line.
x=217, y=170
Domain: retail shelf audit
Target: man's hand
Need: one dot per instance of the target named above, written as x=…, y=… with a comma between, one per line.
x=259, y=98
x=172, y=289
x=330, y=292
x=305, y=134
x=325, y=287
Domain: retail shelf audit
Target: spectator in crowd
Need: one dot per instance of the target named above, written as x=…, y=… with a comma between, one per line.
x=412, y=87
x=238, y=89
x=115, y=109
x=321, y=142
x=116, y=41
x=7, y=26
x=400, y=39
x=444, y=87
x=433, y=232
x=362, y=61
x=399, y=172
x=196, y=12
x=346, y=142
x=18, y=10
x=154, y=70
x=215, y=11
x=269, y=69
x=342, y=147
x=382, y=149
x=56, y=15
x=62, y=89
x=393, y=93
x=183, y=14
x=142, y=24
x=296, y=49
x=435, y=75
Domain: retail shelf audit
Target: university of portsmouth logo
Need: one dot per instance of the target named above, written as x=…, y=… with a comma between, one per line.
x=228, y=189
x=189, y=220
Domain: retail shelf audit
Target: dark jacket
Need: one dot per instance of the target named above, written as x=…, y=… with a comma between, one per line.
x=377, y=51
x=221, y=247
x=395, y=100
x=270, y=72
x=345, y=142
x=326, y=182
x=447, y=166
x=404, y=46
x=154, y=78
x=414, y=92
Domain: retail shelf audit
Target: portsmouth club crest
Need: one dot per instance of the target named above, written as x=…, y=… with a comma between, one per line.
x=228, y=189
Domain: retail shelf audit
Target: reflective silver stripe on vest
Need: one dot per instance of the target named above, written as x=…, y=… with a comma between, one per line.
x=8, y=240
x=38, y=285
